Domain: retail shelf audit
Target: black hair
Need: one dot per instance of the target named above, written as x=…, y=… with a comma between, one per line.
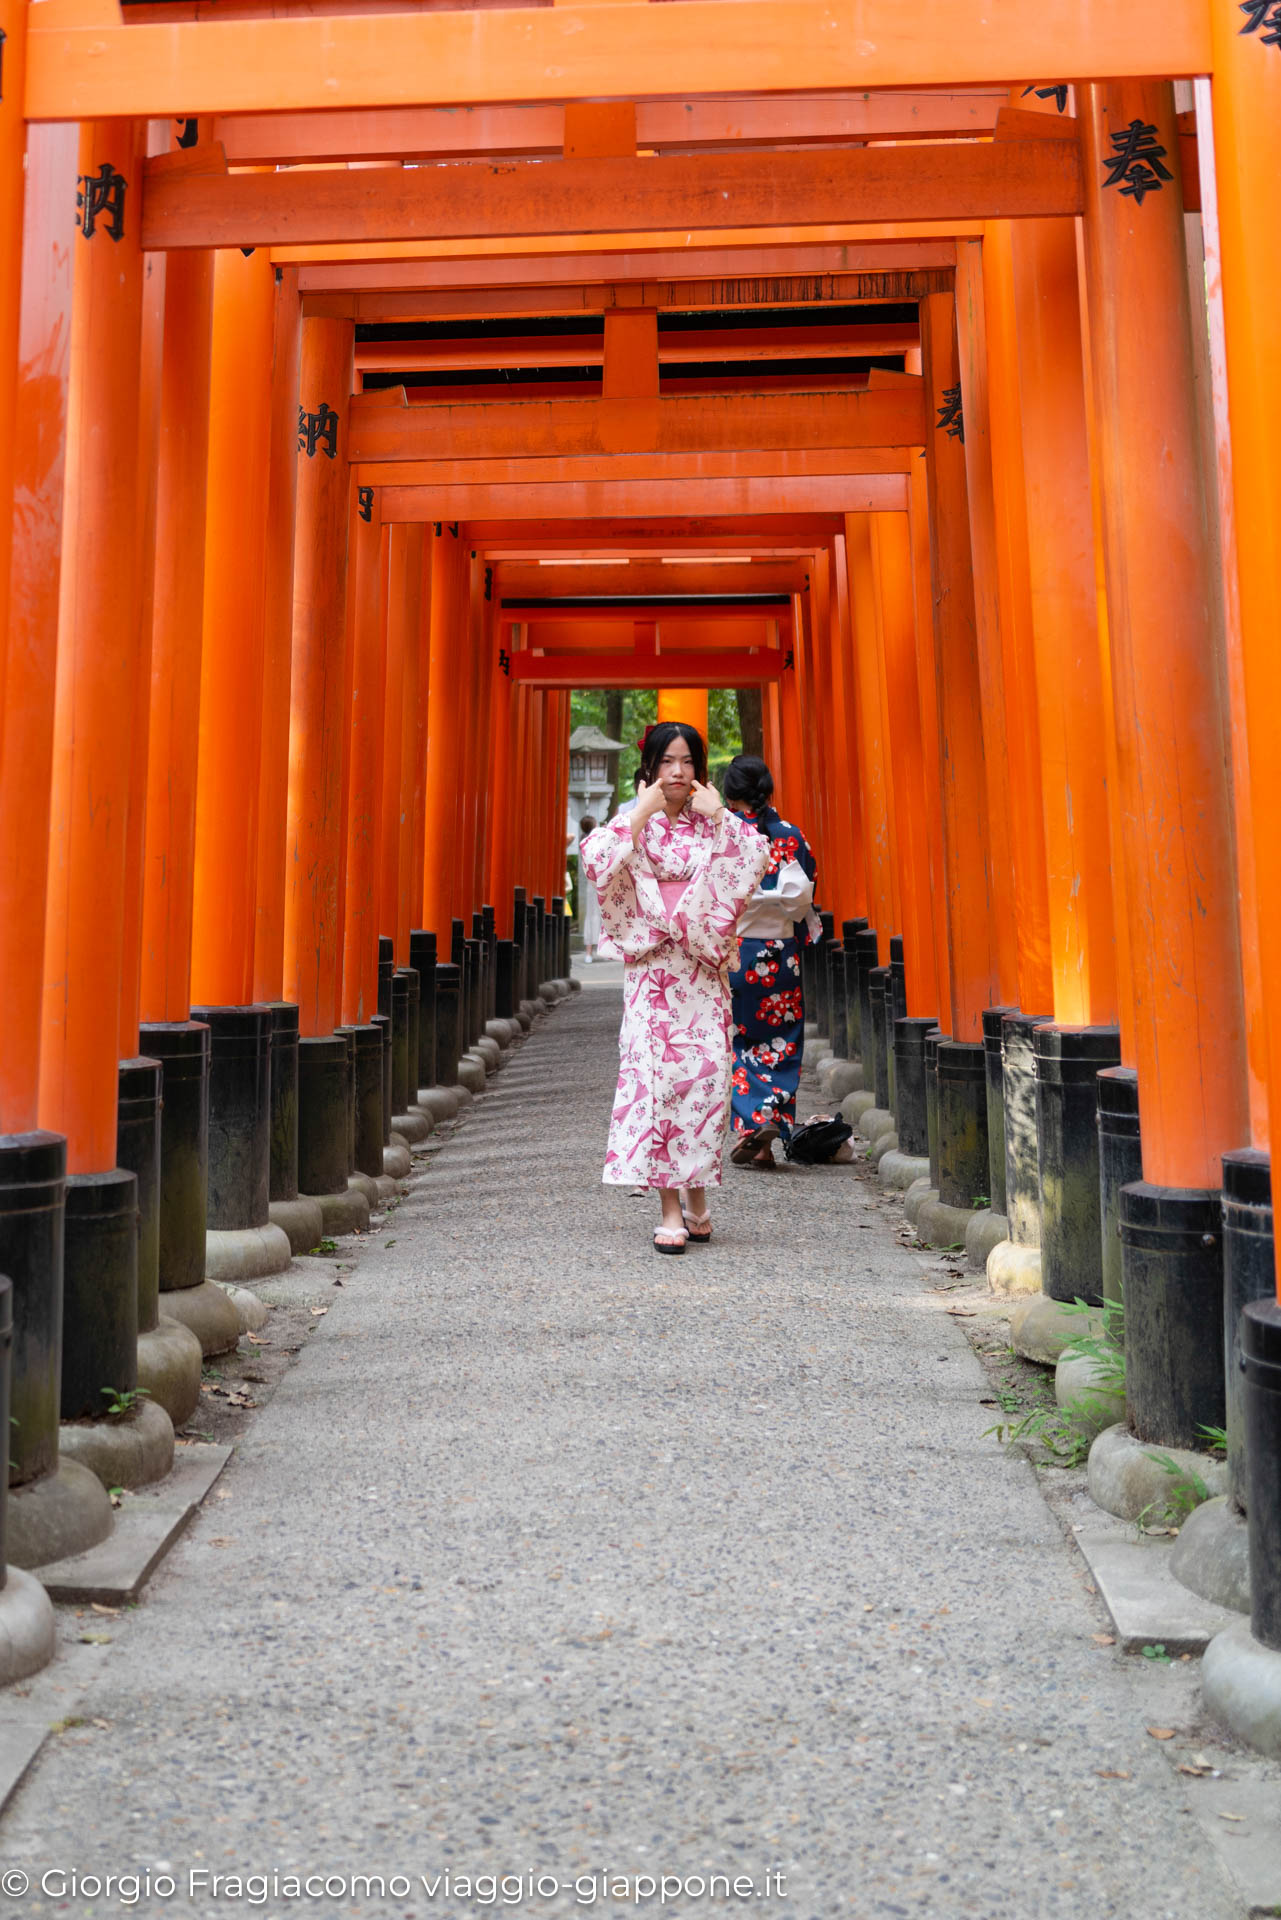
x=587, y=824
x=660, y=739
x=637, y=778
x=749, y=781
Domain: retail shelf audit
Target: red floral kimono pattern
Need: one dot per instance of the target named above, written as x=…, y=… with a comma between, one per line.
x=672, y=1105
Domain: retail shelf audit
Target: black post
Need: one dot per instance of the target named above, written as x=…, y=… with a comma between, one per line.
x=471, y=993
x=865, y=949
x=399, y=1041
x=369, y=1117
x=1120, y=1164
x=239, y=1114
x=489, y=933
x=415, y=1038
x=836, y=994
x=386, y=969
x=422, y=958
x=283, y=1182
x=99, y=1291
x=182, y=1047
x=348, y=1035
x=540, y=940
x=850, y=930
x=992, y=1019
x=448, y=987
x=1172, y=1250
x=878, y=989
x=138, y=1152
x=33, y=1179
x=910, y=1106
x=504, y=980
x=932, y=1038
x=383, y=1023
x=519, y=916
x=1022, y=1165
x=1261, y=1364
x=324, y=1076
x=6, y=1357
x=1068, y=1062
x=962, y=1081
x=823, y=979
x=1248, y=1277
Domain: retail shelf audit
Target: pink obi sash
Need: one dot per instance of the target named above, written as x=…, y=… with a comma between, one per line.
x=672, y=891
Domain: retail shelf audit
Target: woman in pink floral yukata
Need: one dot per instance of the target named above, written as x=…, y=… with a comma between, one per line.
x=672, y=876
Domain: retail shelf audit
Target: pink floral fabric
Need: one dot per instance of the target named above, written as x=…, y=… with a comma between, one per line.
x=671, y=1108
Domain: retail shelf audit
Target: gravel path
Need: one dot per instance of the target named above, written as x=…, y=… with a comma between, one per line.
x=552, y=1557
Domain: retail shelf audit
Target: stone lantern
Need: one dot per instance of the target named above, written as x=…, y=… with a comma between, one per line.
x=593, y=772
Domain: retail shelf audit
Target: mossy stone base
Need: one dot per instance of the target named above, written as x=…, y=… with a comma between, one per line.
x=299, y=1220
x=839, y=1078
x=250, y=1311
x=1080, y=1390
x=64, y=1513
x=28, y=1630
x=1126, y=1479
x=874, y=1121
x=939, y=1225
x=884, y=1143
x=899, y=1171
x=387, y=1188
x=1040, y=1328
x=413, y=1128
x=345, y=1212
x=1212, y=1554
x=855, y=1105
x=209, y=1314
x=1014, y=1270
x=914, y=1199
x=239, y=1254
x=134, y=1451
x=1241, y=1687
x=985, y=1231
x=396, y=1162
x=169, y=1361
x=363, y=1183
x=439, y=1103
x=471, y=1073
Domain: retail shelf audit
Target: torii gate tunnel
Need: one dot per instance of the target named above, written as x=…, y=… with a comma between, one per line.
x=369, y=380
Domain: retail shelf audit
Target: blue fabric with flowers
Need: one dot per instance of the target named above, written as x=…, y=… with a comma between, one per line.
x=768, y=1005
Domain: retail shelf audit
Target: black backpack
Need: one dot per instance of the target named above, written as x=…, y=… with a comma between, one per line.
x=816, y=1141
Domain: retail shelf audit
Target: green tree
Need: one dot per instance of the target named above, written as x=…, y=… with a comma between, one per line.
x=591, y=707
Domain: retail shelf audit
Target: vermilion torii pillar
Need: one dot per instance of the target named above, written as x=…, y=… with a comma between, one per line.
x=317, y=732
x=98, y=639
x=449, y=577
x=242, y=1241
x=369, y=563
x=1175, y=805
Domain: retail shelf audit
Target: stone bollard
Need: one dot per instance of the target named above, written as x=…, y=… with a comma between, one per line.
x=1172, y=1254
x=138, y=1152
x=448, y=1011
x=505, y=970
x=1014, y=1265
x=489, y=934
x=932, y=1037
x=296, y=1214
x=837, y=1001
x=57, y=1506
x=911, y=1115
x=415, y=1037
x=182, y=1048
x=28, y=1633
x=822, y=978
x=99, y=1292
x=850, y=930
x=326, y=1130
x=241, y=1243
x=878, y=984
x=1068, y=1061
x=962, y=1096
x=992, y=1025
x=1120, y=1164
x=1249, y=1275
x=370, y=1118
x=399, y=1042
x=422, y=958
x=866, y=949
x=383, y=1023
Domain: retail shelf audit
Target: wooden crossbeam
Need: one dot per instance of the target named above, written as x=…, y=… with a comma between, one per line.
x=584, y=52
x=536, y=613
x=1013, y=179
x=549, y=300
x=893, y=269
x=814, y=463
x=692, y=424
x=705, y=668
x=674, y=349
x=442, y=133
x=822, y=495
x=515, y=579
x=669, y=532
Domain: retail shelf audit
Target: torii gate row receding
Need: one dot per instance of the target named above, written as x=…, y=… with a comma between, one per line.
x=1035, y=804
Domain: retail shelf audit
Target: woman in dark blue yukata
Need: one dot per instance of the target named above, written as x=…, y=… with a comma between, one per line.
x=768, y=1005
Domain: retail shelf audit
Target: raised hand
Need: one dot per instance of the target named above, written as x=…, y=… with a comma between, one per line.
x=706, y=800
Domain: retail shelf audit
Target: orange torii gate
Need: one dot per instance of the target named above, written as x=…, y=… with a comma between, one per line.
x=1001, y=712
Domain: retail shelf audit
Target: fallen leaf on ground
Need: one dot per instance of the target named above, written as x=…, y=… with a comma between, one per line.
x=1161, y=1733
x=96, y=1606
x=317, y=1311
x=1111, y=1773
x=255, y=1340
x=1103, y=1639
x=1198, y=1772
x=94, y=1639
x=220, y=1540
x=1232, y=1816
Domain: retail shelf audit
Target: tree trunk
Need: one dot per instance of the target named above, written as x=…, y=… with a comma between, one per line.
x=614, y=728
x=750, y=724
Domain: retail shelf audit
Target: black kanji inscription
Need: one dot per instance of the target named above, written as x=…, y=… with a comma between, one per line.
x=1056, y=93
x=1263, y=13
x=318, y=430
x=950, y=415
x=190, y=130
x=101, y=199
x=3, y=37
x=1137, y=160
x=505, y=661
x=365, y=502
